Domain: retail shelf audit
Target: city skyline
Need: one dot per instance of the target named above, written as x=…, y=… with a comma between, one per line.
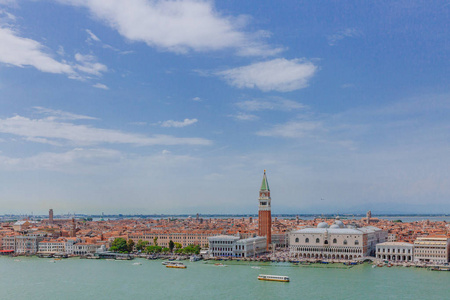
x=178, y=106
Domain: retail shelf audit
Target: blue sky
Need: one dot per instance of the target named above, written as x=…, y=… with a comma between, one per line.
x=146, y=106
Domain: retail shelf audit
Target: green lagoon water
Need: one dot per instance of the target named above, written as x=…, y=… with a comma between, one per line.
x=35, y=278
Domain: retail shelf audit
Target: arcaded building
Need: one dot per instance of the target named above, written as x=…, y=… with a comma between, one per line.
x=335, y=242
x=395, y=251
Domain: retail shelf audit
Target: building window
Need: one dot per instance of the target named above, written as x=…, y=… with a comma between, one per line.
x=317, y=241
x=296, y=240
x=345, y=242
x=334, y=241
x=306, y=240
x=356, y=242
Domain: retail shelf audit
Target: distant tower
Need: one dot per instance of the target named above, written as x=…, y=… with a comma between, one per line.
x=368, y=216
x=73, y=231
x=264, y=212
x=50, y=216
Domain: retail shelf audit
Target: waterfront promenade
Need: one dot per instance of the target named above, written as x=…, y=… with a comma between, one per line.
x=34, y=278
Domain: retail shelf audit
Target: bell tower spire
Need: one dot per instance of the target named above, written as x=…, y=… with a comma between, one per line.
x=264, y=211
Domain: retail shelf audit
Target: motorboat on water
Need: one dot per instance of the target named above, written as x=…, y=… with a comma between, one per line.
x=176, y=265
x=279, y=278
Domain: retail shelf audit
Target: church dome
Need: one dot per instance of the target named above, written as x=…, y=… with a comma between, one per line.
x=339, y=223
x=334, y=226
x=322, y=225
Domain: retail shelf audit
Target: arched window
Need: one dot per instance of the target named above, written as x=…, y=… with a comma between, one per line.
x=326, y=242
x=334, y=241
x=356, y=242
x=317, y=241
x=296, y=240
x=306, y=240
x=345, y=242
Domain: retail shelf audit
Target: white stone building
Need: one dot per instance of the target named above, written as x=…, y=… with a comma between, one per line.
x=233, y=246
x=432, y=249
x=395, y=251
x=335, y=242
x=51, y=247
x=27, y=244
x=85, y=248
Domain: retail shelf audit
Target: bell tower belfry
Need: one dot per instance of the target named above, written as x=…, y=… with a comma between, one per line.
x=264, y=211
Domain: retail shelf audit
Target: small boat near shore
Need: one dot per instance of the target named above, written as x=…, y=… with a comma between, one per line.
x=220, y=265
x=273, y=278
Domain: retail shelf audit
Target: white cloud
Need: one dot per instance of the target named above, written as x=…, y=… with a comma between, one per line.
x=275, y=103
x=53, y=114
x=68, y=133
x=92, y=36
x=89, y=65
x=342, y=34
x=184, y=123
x=275, y=75
x=244, y=117
x=293, y=129
x=8, y=16
x=21, y=52
x=198, y=99
x=101, y=86
x=177, y=26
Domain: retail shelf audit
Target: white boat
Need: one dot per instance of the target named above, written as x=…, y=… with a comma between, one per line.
x=256, y=268
x=164, y=263
x=137, y=264
x=273, y=278
x=194, y=258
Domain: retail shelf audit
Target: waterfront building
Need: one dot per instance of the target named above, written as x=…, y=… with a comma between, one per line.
x=374, y=236
x=233, y=246
x=184, y=238
x=395, y=251
x=9, y=243
x=51, y=247
x=264, y=212
x=69, y=245
x=432, y=249
x=86, y=248
x=27, y=244
x=334, y=242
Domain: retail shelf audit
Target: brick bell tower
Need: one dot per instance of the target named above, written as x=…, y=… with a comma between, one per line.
x=264, y=212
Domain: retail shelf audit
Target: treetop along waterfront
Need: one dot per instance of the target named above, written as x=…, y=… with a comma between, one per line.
x=121, y=245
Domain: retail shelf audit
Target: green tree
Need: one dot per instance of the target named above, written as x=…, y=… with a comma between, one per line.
x=155, y=241
x=153, y=249
x=141, y=245
x=171, y=245
x=130, y=245
x=178, y=246
x=165, y=250
x=119, y=245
